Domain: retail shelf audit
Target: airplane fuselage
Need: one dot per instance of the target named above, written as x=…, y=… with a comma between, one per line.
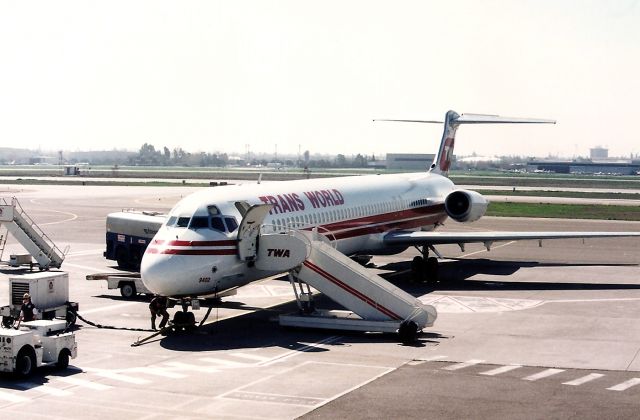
x=195, y=252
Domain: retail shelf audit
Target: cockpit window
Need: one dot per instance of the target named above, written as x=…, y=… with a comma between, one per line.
x=231, y=223
x=172, y=221
x=199, y=222
x=183, y=221
x=213, y=210
x=216, y=223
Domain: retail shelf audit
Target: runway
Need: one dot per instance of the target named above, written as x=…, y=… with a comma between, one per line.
x=523, y=331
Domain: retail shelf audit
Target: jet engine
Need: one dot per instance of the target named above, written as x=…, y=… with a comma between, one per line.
x=465, y=206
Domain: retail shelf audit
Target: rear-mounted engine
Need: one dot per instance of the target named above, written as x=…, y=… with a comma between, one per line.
x=465, y=206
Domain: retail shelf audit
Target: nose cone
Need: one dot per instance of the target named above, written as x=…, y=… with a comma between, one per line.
x=158, y=274
x=186, y=267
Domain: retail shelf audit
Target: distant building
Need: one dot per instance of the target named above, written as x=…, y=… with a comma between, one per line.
x=599, y=153
x=617, y=167
x=409, y=161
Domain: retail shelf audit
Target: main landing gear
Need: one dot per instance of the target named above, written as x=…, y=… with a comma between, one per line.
x=424, y=269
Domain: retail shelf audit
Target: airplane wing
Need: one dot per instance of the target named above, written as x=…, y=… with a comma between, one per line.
x=440, y=238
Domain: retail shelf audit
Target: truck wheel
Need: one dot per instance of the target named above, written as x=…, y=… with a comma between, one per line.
x=63, y=359
x=408, y=332
x=128, y=290
x=7, y=321
x=25, y=362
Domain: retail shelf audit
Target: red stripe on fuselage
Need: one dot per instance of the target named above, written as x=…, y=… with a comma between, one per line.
x=381, y=223
x=230, y=242
x=354, y=292
x=191, y=251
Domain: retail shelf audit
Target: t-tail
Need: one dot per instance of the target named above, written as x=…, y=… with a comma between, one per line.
x=452, y=120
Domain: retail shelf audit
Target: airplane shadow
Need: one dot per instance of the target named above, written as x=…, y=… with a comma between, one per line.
x=260, y=330
x=455, y=274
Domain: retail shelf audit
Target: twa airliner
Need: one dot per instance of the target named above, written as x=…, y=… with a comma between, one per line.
x=216, y=239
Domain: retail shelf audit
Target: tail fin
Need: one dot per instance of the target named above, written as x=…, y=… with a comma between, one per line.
x=452, y=120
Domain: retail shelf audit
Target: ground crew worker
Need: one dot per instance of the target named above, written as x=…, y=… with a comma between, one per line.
x=28, y=310
x=158, y=306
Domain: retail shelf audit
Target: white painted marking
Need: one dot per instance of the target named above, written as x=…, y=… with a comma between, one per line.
x=7, y=396
x=73, y=217
x=195, y=368
x=84, y=267
x=250, y=356
x=625, y=385
x=85, y=252
x=222, y=362
x=117, y=376
x=421, y=360
x=157, y=372
x=334, y=397
x=501, y=369
x=83, y=383
x=107, y=308
x=544, y=374
x=484, y=250
x=45, y=389
x=463, y=365
x=584, y=379
x=299, y=350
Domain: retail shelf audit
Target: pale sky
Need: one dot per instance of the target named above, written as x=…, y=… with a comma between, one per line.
x=217, y=75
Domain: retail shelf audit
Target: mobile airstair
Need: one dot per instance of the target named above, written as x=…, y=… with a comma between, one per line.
x=373, y=303
x=15, y=220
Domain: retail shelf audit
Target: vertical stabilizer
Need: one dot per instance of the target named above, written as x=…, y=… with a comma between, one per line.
x=442, y=161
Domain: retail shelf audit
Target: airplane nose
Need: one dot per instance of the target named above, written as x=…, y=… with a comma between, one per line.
x=158, y=274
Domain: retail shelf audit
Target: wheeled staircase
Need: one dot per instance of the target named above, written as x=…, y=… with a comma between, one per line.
x=29, y=235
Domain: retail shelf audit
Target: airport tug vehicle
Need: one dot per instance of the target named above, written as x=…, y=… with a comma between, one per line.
x=36, y=343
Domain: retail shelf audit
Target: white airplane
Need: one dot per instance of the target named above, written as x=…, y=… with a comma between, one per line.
x=223, y=238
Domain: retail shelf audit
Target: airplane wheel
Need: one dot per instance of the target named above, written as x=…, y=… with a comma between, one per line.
x=431, y=269
x=408, y=332
x=417, y=268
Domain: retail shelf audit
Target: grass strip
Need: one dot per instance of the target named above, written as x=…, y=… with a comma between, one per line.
x=565, y=194
x=564, y=211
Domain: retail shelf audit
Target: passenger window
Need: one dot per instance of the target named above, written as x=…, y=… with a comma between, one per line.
x=231, y=223
x=199, y=222
x=216, y=223
x=183, y=221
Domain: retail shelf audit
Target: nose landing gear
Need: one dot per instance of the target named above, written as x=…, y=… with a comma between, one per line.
x=184, y=320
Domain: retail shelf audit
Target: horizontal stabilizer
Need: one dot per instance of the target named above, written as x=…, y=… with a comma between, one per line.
x=496, y=119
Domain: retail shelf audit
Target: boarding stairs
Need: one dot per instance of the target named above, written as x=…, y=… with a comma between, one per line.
x=29, y=235
x=311, y=260
x=358, y=289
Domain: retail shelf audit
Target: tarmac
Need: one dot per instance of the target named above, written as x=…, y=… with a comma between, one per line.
x=523, y=331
